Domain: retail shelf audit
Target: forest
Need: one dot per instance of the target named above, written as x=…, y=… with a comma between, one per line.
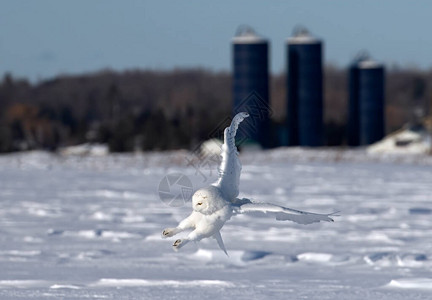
x=145, y=110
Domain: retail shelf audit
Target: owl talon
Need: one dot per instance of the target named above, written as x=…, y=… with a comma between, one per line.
x=177, y=245
x=167, y=233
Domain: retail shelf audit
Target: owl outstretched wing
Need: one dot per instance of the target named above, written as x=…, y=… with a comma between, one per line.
x=230, y=168
x=282, y=213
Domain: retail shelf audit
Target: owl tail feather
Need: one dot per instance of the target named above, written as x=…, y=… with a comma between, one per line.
x=220, y=242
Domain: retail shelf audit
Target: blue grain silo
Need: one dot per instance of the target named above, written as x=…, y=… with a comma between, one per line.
x=366, y=122
x=305, y=90
x=251, y=84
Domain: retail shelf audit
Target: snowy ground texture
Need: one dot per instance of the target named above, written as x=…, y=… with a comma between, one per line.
x=89, y=227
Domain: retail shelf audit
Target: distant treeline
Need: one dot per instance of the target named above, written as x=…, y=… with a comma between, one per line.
x=161, y=110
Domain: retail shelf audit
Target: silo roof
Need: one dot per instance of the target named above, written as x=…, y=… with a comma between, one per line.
x=363, y=60
x=247, y=35
x=302, y=36
x=369, y=64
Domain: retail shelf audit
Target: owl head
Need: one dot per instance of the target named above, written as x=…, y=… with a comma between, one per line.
x=208, y=200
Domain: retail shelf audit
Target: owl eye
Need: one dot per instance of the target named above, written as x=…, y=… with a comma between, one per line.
x=199, y=203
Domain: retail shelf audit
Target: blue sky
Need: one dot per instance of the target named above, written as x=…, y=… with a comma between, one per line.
x=44, y=38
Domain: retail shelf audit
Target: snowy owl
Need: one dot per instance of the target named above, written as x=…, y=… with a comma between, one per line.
x=214, y=205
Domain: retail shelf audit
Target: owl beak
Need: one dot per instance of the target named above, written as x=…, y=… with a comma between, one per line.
x=199, y=203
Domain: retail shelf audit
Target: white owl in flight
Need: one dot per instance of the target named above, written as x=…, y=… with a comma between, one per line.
x=214, y=205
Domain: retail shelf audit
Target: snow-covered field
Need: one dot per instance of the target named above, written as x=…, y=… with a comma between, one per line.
x=89, y=227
